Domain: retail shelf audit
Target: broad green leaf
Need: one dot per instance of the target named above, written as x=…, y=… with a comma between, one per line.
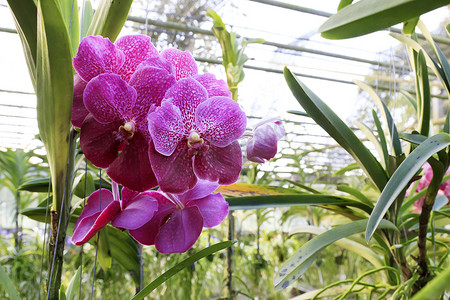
x=104, y=250
x=409, y=26
x=356, y=193
x=86, y=17
x=293, y=268
x=245, y=189
x=355, y=247
x=8, y=285
x=403, y=175
x=436, y=287
x=36, y=185
x=54, y=92
x=267, y=201
x=422, y=92
x=62, y=292
x=84, y=185
x=74, y=284
x=392, y=129
x=180, y=266
x=337, y=129
x=25, y=19
x=447, y=122
x=39, y=214
x=383, y=144
x=69, y=10
x=109, y=18
x=413, y=138
x=368, y=16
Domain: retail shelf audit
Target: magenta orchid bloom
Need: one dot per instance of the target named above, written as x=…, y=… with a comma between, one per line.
x=194, y=137
x=424, y=182
x=97, y=55
x=132, y=212
x=263, y=143
x=179, y=220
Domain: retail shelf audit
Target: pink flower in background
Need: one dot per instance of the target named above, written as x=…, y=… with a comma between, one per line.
x=194, y=136
x=424, y=182
x=98, y=55
x=263, y=144
x=179, y=220
x=133, y=211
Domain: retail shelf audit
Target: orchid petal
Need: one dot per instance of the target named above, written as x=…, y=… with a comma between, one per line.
x=127, y=195
x=97, y=55
x=187, y=94
x=215, y=87
x=174, y=173
x=98, y=199
x=109, y=98
x=213, y=208
x=263, y=144
x=79, y=111
x=220, y=120
x=100, y=142
x=137, y=212
x=219, y=164
x=137, y=48
x=183, y=62
x=132, y=167
x=202, y=189
x=166, y=128
x=147, y=233
x=181, y=231
x=151, y=80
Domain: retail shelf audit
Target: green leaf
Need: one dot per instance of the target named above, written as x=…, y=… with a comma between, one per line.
x=413, y=138
x=372, y=138
x=86, y=17
x=245, y=189
x=74, y=284
x=403, y=175
x=109, y=18
x=385, y=153
x=409, y=26
x=104, y=250
x=368, y=16
x=85, y=186
x=344, y=3
x=350, y=167
x=436, y=287
x=8, y=285
x=267, y=201
x=25, y=19
x=294, y=267
x=423, y=92
x=410, y=99
x=69, y=10
x=356, y=193
x=337, y=129
x=62, y=293
x=180, y=266
x=386, y=116
x=54, y=92
x=36, y=185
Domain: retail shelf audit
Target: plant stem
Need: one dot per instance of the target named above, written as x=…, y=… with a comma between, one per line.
x=230, y=254
x=59, y=222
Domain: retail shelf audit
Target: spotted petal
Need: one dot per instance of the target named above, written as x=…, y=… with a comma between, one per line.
x=166, y=128
x=174, y=173
x=132, y=167
x=219, y=164
x=213, y=208
x=181, y=231
x=137, y=48
x=220, y=120
x=137, y=212
x=182, y=61
x=214, y=86
x=151, y=80
x=263, y=144
x=97, y=55
x=187, y=94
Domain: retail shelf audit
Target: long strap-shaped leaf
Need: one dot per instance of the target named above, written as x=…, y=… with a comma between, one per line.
x=368, y=16
x=8, y=285
x=337, y=129
x=180, y=266
x=403, y=175
x=294, y=267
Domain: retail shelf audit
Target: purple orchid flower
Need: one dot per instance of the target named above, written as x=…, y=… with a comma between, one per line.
x=179, y=220
x=194, y=136
x=132, y=212
x=263, y=142
x=97, y=55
